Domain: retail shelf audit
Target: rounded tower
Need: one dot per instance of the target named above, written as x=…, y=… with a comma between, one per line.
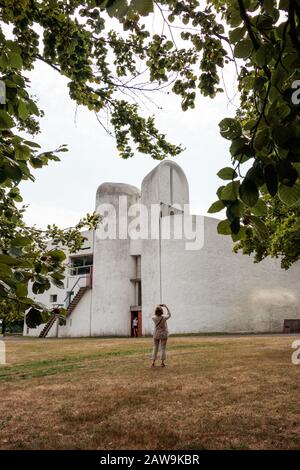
x=113, y=293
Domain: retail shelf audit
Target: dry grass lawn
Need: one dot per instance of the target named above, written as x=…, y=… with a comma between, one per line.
x=216, y=393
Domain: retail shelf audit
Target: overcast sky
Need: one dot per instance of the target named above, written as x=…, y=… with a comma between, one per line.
x=64, y=191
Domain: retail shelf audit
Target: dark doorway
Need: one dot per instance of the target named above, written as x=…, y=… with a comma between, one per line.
x=136, y=315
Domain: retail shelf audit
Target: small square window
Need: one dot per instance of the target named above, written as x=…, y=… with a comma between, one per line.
x=53, y=298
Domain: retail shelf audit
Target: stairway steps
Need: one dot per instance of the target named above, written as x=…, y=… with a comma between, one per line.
x=76, y=299
x=70, y=309
x=47, y=327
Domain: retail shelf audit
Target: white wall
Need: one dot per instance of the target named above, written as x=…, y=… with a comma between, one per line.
x=79, y=322
x=216, y=290
x=113, y=292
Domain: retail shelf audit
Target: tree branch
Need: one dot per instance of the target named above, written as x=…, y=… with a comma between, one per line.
x=248, y=25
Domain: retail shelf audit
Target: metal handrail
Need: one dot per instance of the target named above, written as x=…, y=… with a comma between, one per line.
x=67, y=300
x=75, y=269
x=88, y=277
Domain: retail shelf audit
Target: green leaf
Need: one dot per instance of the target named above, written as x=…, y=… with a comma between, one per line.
x=287, y=174
x=234, y=18
x=22, y=152
x=230, y=129
x=261, y=139
x=3, y=61
x=289, y=195
x=271, y=179
x=33, y=108
x=230, y=191
x=234, y=210
x=297, y=166
x=18, y=276
x=9, y=260
x=117, y=8
x=31, y=144
x=13, y=172
x=19, y=240
x=23, y=111
x=21, y=290
x=223, y=227
x=219, y=191
x=240, y=235
x=259, y=83
x=248, y=192
x=237, y=34
x=6, y=121
x=255, y=174
x=283, y=110
x=227, y=173
x=143, y=7
x=33, y=318
x=13, y=46
x=216, y=207
x=260, y=227
x=14, y=193
x=260, y=209
x=15, y=60
x=243, y=49
x=281, y=136
x=264, y=55
x=58, y=283
x=237, y=147
x=37, y=162
x=57, y=255
x=38, y=288
x=235, y=225
x=5, y=270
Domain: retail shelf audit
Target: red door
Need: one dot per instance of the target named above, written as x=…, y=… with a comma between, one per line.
x=140, y=323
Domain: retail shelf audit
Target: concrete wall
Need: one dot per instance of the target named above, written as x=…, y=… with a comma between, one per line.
x=113, y=293
x=79, y=322
x=216, y=290
x=165, y=184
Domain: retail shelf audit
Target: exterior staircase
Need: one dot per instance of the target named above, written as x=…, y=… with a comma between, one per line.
x=76, y=299
x=48, y=326
x=71, y=306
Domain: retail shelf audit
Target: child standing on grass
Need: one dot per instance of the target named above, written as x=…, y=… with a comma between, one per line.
x=160, y=334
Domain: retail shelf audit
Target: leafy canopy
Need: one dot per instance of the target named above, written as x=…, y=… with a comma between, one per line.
x=283, y=225
x=262, y=39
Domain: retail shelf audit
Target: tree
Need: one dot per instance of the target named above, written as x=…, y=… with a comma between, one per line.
x=10, y=315
x=283, y=225
x=108, y=71
x=262, y=38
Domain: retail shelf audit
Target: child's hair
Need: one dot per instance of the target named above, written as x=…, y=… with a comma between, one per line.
x=159, y=311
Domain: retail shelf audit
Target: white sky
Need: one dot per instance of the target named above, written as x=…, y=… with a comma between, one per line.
x=64, y=191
